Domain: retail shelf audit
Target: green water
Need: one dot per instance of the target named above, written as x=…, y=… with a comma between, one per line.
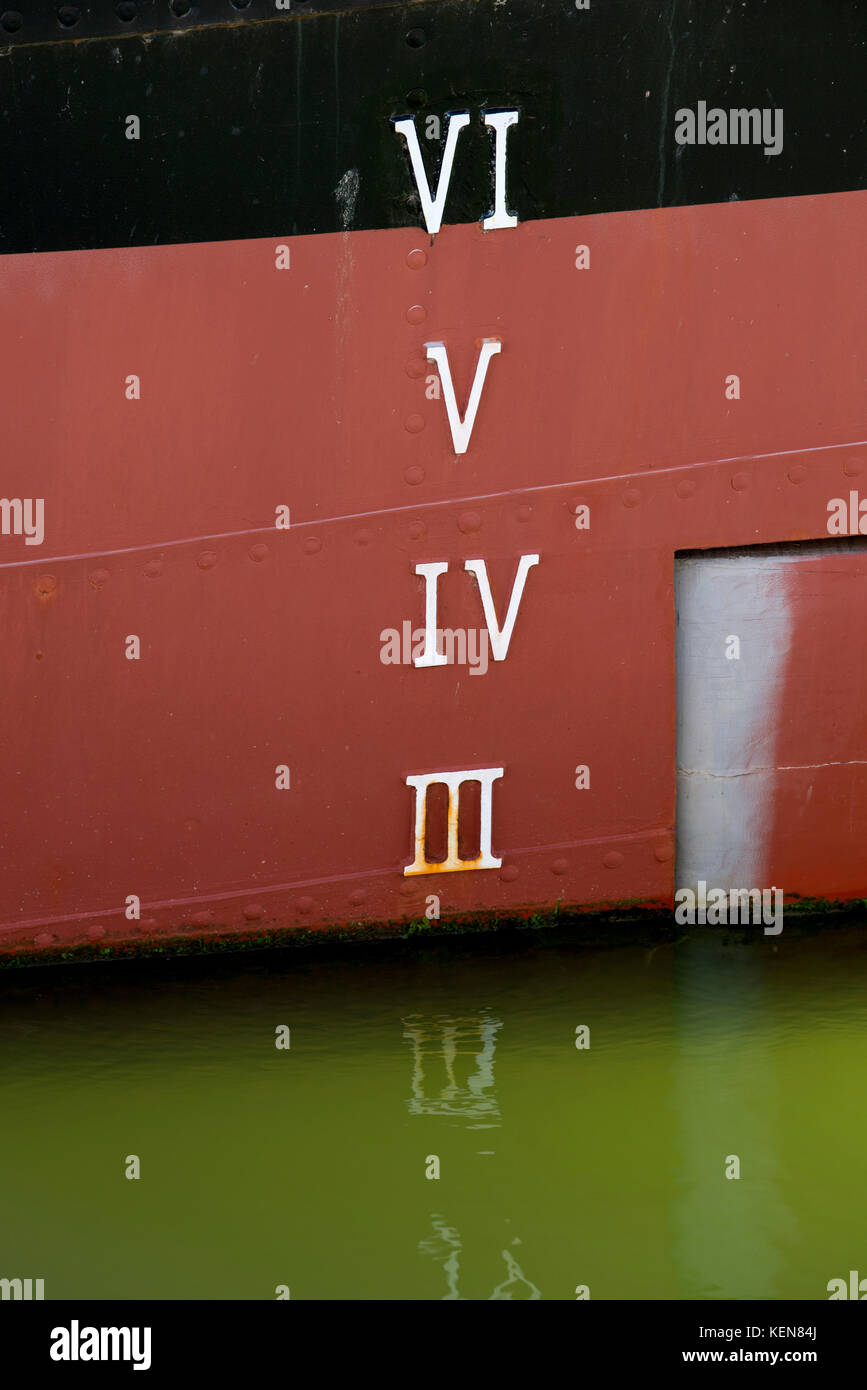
x=559, y=1167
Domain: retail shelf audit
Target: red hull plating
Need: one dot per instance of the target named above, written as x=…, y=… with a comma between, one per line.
x=261, y=647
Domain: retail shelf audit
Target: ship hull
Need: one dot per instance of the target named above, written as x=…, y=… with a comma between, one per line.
x=220, y=704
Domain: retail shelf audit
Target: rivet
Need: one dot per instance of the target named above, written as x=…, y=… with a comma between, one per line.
x=364, y=538
x=740, y=482
x=631, y=497
x=153, y=569
x=416, y=38
x=357, y=896
x=259, y=552
x=664, y=852
x=559, y=866
x=523, y=513
x=613, y=859
x=417, y=97
x=417, y=531
x=414, y=424
x=96, y=933
x=45, y=938
x=191, y=824
x=181, y=7
x=509, y=873
x=11, y=21
x=416, y=260
x=305, y=904
x=852, y=467
x=414, y=475
x=207, y=560
x=685, y=488
x=312, y=545
x=68, y=15
x=468, y=522
x=40, y=656
x=46, y=585
x=797, y=473
x=408, y=890
x=416, y=314
x=416, y=367
x=97, y=578
x=253, y=912
x=125, y=10
x=202, y=919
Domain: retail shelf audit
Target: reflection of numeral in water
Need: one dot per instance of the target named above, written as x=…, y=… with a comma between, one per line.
x=445, y=1246
x=516, y=1277
x=433, y=1246
x=447, y=1039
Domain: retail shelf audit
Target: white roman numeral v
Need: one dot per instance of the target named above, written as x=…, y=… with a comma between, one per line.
x=433, y=206
x=501, y=636
x=462, y=429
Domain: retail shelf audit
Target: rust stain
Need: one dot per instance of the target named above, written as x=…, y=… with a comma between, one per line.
x=46, y=587
x=452, y=863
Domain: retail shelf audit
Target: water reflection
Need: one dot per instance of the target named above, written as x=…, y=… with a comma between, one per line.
x=729, y=1233
x=608, y=1163
x=445, y=1039
x=515, y=1279
x=445, y=1247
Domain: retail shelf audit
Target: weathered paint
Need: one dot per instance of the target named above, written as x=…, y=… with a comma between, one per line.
x=261, y=647
x=728, y=711
x=455, y=783
x=308, y=389
x=259, y=129
x=772, y=746
x=816, y=837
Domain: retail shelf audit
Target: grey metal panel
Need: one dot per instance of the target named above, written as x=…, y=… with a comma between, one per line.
x=726, y=724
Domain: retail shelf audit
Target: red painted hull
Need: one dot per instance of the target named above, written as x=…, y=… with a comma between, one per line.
x=261, y=647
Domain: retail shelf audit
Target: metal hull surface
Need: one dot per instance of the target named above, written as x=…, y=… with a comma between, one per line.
x=217, y=716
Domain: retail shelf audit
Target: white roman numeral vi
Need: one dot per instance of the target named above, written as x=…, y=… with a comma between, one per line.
x=433, y=204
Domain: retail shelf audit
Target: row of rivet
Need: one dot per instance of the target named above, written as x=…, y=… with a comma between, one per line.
x=467, y=522
x=12, y=21
x=255, y=912
x=68, y=16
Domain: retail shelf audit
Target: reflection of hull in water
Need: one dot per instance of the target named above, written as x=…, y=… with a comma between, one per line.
x=145, y=798
x=443, y=1041
x=445, y=1246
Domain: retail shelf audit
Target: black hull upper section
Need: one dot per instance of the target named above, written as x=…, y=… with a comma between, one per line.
x=249, y=127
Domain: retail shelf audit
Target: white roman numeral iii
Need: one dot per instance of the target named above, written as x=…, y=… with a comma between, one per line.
x=453, y=780
x=462, y=429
